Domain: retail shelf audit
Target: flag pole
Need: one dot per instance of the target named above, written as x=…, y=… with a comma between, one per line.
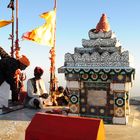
x=11, y=5
x=17, y=48
x=12, y=36
x=53, y=81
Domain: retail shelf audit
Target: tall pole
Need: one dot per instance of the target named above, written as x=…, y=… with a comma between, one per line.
x=11, y=5
x=17, y=48
x=53, y=80
x=12, y=36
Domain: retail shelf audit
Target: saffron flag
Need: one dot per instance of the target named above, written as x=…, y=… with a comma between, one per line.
x=5, y=22
x=44, y=34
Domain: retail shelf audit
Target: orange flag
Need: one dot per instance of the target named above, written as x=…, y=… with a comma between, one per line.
x=44, y=34
x=5, y=22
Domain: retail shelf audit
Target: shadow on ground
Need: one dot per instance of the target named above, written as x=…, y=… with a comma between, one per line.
x=24, y=114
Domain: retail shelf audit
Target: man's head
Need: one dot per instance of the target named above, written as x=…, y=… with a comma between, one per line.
x=24, y=62
x=38, y=72
x=60, y=89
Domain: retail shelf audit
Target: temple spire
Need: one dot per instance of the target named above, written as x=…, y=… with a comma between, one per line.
x=103, y=24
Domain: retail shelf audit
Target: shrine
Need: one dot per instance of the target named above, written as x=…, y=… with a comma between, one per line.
x=99, y=76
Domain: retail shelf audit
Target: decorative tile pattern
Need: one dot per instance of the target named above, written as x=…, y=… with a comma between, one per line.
x=120, y=78
x=83, y=100
x=119, y=112
x=102, y=111
x=120, y=103
x=74, y=108
x=94, y=76
x=104, y=77
x=74, y=97
x=115, y=76
x=83, y=109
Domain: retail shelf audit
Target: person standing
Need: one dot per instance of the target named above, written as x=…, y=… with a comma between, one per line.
x=8, y=68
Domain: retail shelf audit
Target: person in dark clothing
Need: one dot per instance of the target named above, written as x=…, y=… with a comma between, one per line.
x=59, y=97
x=8, y=69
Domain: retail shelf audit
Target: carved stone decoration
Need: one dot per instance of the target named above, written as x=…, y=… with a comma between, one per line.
x=93, y=35
x=115, y=57
x=125, y=64
x=111, y=49
x=77, y=57
x=99, y=42
x=105, y=56
x=125, y=56
x=85, y=57
x=83, y=50
x=95, y=56
x=100, y=49
x=68, y=57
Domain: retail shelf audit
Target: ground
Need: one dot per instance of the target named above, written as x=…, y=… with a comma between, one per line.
x=14, y=124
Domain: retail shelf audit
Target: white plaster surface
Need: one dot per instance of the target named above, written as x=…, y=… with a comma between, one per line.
x=4, y=94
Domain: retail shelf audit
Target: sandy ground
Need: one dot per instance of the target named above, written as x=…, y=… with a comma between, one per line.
x=14, y=124
x=131, y=131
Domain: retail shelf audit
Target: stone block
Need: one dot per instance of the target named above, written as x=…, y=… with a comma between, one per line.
x=122, y=120
x=73, y=84
x=93, y=35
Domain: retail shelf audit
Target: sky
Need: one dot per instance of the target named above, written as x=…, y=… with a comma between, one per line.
x=74, y=19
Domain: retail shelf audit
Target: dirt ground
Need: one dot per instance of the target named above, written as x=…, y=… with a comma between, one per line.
x=14, y=124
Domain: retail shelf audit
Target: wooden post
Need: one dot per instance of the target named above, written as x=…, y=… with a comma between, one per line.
x=12, y=35
x=17, y=48
x=11, y=6
x=53, y=81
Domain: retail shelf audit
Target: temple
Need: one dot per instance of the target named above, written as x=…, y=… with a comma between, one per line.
x=99, y=76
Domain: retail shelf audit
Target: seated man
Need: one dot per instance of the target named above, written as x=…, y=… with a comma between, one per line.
x=8, y=69
x=37, y=95
x=59, y=97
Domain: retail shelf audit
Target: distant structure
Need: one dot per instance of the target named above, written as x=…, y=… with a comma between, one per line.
x=99, y=76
